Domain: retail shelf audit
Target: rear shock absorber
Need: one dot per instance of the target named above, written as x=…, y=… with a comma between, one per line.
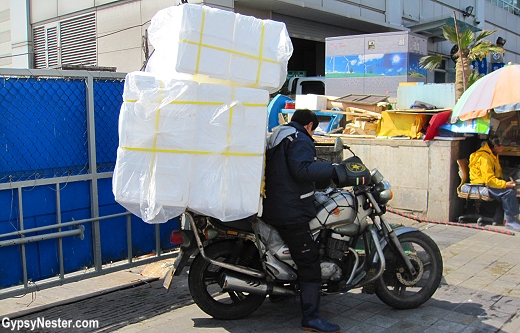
x=247, y=254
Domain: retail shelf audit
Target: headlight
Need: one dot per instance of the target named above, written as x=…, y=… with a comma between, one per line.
x=386, y=193
x=376, y=176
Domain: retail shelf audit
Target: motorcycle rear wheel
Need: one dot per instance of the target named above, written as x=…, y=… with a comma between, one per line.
x=396, y=287
x=209, y=296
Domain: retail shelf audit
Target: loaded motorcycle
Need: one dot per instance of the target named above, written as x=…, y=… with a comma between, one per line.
x=237, y=264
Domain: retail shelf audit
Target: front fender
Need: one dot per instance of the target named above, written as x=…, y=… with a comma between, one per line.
x=398, y=231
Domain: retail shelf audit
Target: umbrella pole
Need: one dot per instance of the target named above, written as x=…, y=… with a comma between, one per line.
x=460, y=50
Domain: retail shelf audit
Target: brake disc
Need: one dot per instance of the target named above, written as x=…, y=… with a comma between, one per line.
x=405, y=278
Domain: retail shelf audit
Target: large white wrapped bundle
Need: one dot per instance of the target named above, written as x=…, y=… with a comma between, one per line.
x=156, y=139
x=226, y=181
x=217, y=46
x=184, y=145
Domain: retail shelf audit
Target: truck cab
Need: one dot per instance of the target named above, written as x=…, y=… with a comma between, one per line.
x=302, y=85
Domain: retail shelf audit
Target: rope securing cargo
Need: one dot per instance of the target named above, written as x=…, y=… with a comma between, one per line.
x=458, y=224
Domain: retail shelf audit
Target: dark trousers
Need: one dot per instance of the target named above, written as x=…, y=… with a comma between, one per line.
x=507, y=196
x=303, y=251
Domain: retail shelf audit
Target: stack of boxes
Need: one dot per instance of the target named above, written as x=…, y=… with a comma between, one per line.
x=192, y=127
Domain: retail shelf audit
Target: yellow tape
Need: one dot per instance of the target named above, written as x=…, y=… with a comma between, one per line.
x=260, y=54
x=203, y=103
x=230, y=123
x=157, y=119
x=190, y=152
x=155, y=150
x=200, y=39
x=248, y=55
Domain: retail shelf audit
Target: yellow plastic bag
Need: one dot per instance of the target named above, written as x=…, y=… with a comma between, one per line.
x=401, y=124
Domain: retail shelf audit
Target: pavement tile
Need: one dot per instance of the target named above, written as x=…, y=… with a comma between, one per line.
x=471, y=309
x=364, y=327
x=357, y=314
x=344, y=322
x=405, y=327
x=421, y=319
x=460, y=318
x=349, y=301
x=457, y=278
x=334, y=307
x=445, y=326
x=372, y=307
x=381, y=320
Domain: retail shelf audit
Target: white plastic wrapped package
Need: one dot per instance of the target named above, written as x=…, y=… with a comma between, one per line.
x=217, y=46
x=182, y=145
x=227, y=176
x=156, y=140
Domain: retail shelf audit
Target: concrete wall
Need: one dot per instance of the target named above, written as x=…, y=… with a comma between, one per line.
x=122, y=48
x=423, y=175
x=367, y=52
x=5, y=33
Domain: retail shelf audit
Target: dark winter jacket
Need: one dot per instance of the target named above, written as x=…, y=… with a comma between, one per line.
x=290, y=174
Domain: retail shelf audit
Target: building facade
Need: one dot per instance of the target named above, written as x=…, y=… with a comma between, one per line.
x=113, y=33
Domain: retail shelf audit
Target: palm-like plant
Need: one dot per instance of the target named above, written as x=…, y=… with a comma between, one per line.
x=471, y=47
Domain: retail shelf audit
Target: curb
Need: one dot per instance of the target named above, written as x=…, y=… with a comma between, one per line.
x=40, y=308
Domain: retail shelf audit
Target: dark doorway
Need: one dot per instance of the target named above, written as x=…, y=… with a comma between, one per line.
x=308, y=56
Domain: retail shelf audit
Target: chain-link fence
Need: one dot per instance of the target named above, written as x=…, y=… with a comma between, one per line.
x=43, y=128
x=59, y=138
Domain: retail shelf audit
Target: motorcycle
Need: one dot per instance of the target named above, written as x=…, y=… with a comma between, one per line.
x=237, y=264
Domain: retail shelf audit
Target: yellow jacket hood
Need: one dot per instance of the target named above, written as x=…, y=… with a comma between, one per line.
x=484, y=168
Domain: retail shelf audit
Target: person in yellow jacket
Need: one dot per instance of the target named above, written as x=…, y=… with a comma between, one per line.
x=484, y=168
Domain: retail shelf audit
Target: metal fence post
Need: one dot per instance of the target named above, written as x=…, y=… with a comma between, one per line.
x=94, y=209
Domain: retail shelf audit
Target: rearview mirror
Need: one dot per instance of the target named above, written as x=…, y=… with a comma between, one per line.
x=339, y=145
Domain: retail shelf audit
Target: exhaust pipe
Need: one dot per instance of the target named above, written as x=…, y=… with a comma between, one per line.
x=240, y=282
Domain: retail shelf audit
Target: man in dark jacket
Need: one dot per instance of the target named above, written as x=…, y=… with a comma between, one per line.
x=291, y=171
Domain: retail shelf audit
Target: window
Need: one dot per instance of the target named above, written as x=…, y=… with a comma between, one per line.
x=68, y=42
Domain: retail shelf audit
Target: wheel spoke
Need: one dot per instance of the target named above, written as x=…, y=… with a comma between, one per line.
x=210, y=281
x=236, y=297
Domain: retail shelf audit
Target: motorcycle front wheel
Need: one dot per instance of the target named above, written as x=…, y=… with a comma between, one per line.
x=397, y=287
x=203, y=281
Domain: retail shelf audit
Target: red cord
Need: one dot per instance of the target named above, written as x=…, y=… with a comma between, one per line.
x=458, y=224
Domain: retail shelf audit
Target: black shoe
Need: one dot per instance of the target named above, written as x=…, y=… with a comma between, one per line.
x=319, y=325
x=310, y=302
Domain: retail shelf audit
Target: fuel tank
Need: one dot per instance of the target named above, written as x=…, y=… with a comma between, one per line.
x=334, y=209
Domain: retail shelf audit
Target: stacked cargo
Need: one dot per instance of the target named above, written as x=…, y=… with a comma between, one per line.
x=192, y=128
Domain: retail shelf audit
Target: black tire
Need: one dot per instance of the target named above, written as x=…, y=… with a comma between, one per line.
x=415, y=291
x=205, y=290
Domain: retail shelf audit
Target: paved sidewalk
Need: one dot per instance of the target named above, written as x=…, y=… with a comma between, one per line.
x=479, y=293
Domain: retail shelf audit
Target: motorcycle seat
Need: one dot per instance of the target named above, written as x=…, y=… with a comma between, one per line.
x=239, y=225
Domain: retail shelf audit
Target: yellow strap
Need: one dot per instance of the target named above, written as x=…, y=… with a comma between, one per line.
x=202, y=103
x=229, y=51
x=200, y=39
x=191, y=152
x=260, y=54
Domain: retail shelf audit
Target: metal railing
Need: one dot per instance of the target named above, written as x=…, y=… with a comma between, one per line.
x=509, y=5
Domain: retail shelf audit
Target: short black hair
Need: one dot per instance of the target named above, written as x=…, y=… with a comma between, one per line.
x=304, y=117
x=492, y=140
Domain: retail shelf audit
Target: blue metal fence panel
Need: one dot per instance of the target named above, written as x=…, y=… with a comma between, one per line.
x=43, y=130
x=43, y=122
x=108, y=98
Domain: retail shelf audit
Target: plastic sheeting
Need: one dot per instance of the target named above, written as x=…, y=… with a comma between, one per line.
x=209, y=45
x=480, y=125
x=188, y=145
